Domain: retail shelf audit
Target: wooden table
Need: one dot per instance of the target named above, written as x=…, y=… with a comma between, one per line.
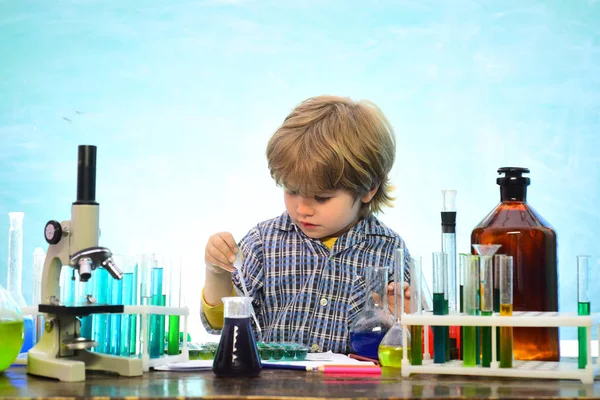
x=277, y=384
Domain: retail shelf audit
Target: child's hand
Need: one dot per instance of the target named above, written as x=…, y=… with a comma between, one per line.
x=220, y=252
x=390, y=290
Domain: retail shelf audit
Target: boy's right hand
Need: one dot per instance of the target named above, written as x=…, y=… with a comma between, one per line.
x=220, y=252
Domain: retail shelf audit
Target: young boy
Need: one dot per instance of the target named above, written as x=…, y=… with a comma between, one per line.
x=305, y=269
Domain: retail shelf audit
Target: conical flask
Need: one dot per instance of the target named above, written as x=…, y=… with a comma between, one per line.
x=390, y=349
x=375, y=320
x=531, y=241
x=237, y=354
x=12, y=329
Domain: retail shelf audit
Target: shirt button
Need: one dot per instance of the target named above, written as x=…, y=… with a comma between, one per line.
x=315, y=347
x=323, y=302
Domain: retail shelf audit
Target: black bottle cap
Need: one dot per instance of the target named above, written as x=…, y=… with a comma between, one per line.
x=513, y=176
x=513, y=185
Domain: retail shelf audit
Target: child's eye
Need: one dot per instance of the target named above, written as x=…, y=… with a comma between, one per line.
x=320, y=199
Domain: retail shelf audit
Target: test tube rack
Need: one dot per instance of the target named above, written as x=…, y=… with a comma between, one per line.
x=520, y=369
x=144, y=312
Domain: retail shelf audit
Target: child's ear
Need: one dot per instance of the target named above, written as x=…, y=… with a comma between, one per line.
x=370, y=194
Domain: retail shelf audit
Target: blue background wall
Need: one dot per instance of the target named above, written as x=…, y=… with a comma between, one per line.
x=181, y=97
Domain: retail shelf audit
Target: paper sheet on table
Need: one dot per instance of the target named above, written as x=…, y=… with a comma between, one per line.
x=312, y=360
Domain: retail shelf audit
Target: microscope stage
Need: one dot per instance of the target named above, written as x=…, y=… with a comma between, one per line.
x=81, y=310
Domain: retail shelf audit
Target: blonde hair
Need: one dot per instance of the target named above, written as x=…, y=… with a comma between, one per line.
x=329, y=143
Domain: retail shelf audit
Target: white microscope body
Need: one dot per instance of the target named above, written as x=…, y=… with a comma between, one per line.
x=61, y=353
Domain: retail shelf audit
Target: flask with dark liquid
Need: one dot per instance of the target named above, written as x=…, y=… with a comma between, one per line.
x=531, y=241
x=237, y=353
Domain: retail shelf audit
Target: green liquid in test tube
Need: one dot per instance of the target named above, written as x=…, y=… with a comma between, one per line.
x=416, y=301
x=470, y=350
x=583, y=307
x=174, y=300
x=157, y=329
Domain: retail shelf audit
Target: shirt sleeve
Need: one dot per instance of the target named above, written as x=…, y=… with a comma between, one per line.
x=213, y=315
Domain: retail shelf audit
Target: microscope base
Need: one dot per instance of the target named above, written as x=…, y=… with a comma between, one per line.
x=72, y=369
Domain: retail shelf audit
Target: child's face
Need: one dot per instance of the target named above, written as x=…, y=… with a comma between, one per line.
x=328, y=214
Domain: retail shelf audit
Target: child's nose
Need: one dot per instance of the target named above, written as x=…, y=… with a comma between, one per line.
x=304, y=207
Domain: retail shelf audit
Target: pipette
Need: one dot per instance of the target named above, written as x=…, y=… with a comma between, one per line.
x=239, y=261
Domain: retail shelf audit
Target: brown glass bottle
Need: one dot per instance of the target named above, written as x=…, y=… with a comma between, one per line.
x=526, y=236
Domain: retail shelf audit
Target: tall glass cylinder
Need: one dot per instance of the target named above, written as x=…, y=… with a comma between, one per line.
x=101, y=322
x=583, y=306
x=416, y=305
x=439, y=306
x=471, y=307
x=486, y=275
x=15, y=257
x=506, y=309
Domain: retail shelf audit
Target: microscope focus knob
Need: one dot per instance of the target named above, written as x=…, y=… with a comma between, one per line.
x=53, y=232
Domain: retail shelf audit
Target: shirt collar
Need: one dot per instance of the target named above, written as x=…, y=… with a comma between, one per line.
x=370, y=226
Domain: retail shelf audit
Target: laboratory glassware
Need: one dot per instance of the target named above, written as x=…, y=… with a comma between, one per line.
x=238, y=263
x=38, y=266
x=439, y=306
x=531, y=240
x=390, y=350
x=375, y=319
x=583, y=305
x=486, y=296
x=470, y=350
x=174, y=300
x=506, y=310
x=416, y=307
x=448, y=215
x=15, y=274
x=12, y=329
x=463, y=261
x=237, y=353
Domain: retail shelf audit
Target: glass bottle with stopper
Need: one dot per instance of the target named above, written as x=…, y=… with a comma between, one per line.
x=531, y=241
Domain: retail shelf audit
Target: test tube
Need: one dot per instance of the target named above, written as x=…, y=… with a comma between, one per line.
x=416, y=301
x=470, y=350
x=583, y=306
x=157, y=322
x=448, y=215
x=174, y=301
x=506, y=308
x=497, y=258
x=439, y=306
x=116, y=298
x=39, y=256
x=128, y=298
x=463, y=261
x=486, y=275
x=101, y=322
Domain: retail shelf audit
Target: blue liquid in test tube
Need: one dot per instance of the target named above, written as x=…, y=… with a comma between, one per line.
x=101, y=322
x=157, y=322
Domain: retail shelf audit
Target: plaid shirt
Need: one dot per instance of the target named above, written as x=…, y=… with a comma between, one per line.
x=304, y=292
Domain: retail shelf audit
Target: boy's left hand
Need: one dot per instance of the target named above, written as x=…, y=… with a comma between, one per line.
x=390, y=290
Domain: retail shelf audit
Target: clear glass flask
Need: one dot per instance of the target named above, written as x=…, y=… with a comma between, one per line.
x=390, y=350
x=375, y=320
x=237, y=354
x=12, y=329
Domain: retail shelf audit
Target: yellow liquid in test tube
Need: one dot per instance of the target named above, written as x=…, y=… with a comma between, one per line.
x=506, y=338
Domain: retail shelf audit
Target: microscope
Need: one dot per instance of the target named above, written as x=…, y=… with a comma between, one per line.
x=61, y=352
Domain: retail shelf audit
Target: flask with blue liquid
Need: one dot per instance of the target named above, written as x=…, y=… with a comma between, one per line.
x=375, y=320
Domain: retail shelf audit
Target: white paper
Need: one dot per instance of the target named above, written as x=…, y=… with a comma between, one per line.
x=312, y=360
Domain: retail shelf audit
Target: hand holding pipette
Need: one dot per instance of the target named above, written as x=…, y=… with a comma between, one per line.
x=220, y=252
